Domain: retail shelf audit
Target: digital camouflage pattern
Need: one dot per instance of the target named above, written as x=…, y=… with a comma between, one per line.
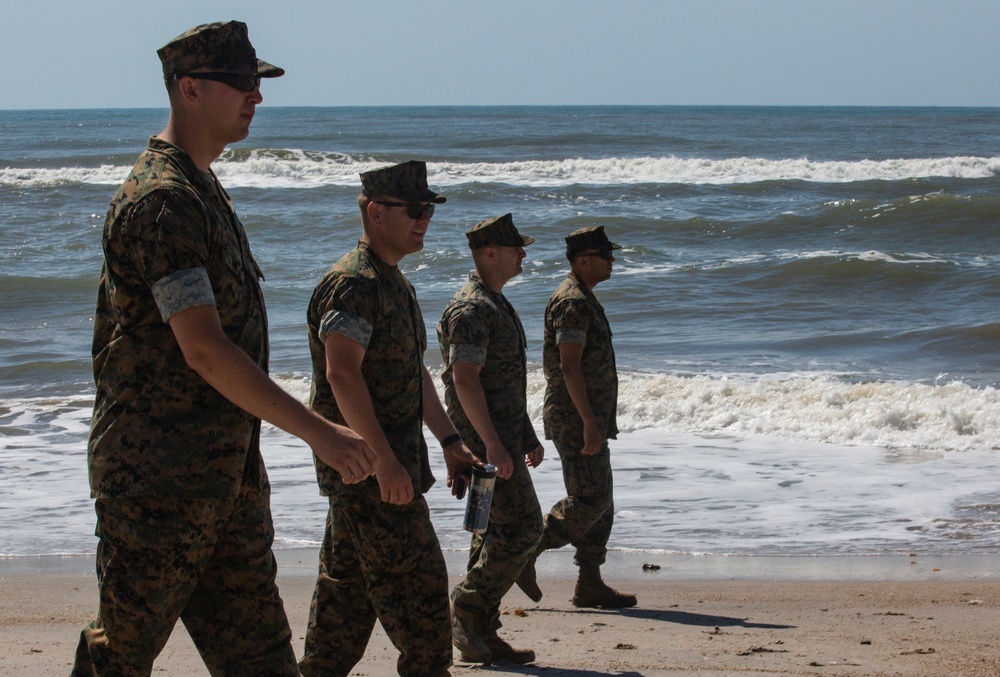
x=158, y=428
x=573, y=311
x=497, y=556
x=182, y=504
x=222, y=47
x=479, y=325
x=221, y=584
x=406, y=181
x=584, y=517
x=499, y=230
x=361, y=292
x=592, y=237
x=379, y=561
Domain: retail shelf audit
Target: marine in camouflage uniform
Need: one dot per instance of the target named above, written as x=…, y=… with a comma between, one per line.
x=380, y=557
x=182, y=496
x=580, y=418
x=481, y=333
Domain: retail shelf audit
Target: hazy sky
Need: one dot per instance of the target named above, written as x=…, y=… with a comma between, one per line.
x=102, y=53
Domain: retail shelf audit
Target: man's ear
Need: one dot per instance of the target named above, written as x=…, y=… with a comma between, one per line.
x=374, y=212
x=188, y=90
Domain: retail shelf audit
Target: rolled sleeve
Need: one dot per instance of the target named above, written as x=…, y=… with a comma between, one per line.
x=464, y=352
x=567, y=335
x=345, y=324
x=182, y=290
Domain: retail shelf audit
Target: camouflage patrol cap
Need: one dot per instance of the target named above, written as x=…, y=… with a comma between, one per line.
x=589, y=238
x=406, y=181
x=222, y=47
x=498, y=230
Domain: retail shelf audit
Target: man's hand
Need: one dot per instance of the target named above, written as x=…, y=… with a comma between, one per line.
x=533, y=458
x=225, y=367
x=498, y=455
x=346, y=452
x=394, y=482
x=593, y=438
x=459, y=461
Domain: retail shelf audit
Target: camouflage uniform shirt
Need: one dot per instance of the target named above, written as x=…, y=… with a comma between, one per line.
x=480, y=326
x=574, y=315
x=171, y=241
x=370, y=302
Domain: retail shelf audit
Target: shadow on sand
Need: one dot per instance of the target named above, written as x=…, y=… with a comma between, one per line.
x=671, y=616
x=665, y=616
x=508, y=669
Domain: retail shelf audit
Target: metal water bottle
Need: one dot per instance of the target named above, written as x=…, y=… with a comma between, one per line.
x=477, y=510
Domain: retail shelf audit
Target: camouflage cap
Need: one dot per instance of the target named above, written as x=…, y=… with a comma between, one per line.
x=406, y=181
x=589, y=238
x=498, y=230
x=223, y=47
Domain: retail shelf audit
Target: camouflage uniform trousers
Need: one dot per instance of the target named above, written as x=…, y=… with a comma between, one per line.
x=584, y=517
x=205, y=561
x=498, y=555
x=379, y=561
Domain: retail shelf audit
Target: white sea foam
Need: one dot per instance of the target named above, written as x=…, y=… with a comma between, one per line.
x=306, y=169
x=641, y=268
x=40, y=178
x=891, y=415
x=813, y=408
x=714, y=464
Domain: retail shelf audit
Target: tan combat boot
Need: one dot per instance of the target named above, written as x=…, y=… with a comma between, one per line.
x=501, y=650
x=526, y=579
x=592, y=592
x=466, y=637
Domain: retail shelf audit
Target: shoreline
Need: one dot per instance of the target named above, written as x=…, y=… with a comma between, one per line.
x=629, y=566
x=694, y=628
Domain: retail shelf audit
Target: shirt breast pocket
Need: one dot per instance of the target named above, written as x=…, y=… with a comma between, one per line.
x=230, y=271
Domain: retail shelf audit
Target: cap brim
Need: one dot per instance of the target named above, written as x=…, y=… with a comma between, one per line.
x=420, y=196
x=525, y=240
x=266, y=70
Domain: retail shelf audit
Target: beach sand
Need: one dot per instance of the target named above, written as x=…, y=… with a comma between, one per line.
x=921, y=620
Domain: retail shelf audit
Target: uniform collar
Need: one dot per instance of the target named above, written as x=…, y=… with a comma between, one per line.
x=204, y=181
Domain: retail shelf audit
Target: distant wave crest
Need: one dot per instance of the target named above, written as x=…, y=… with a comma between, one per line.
x=808, y=407
x=277, y=168
x=826, y=409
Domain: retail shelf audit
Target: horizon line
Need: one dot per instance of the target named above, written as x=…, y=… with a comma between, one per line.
x=545, y=105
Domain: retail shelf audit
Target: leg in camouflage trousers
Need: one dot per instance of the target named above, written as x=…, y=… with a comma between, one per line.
x=497, y=556
x=205, y=561
x=584, y=519
x=379, y=561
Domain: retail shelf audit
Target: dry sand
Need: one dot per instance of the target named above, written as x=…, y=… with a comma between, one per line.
x=681, y=627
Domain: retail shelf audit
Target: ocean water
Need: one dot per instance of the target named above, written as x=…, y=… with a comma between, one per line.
x=805, y=307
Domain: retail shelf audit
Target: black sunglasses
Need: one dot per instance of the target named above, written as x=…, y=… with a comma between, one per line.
x=244, y=83
x=606, y=254
x=413, y=209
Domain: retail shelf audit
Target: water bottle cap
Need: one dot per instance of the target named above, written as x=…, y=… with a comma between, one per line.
x=488, y=470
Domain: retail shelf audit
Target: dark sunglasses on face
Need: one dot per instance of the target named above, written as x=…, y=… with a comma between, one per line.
x=244, y=83
x=413, y=209
x=606, y=254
